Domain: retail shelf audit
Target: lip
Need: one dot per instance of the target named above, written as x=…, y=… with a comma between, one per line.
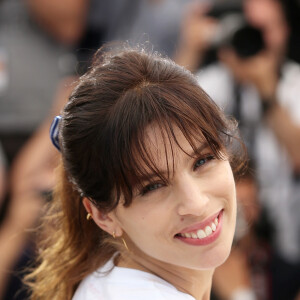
x=207, y=240
x=201, y=225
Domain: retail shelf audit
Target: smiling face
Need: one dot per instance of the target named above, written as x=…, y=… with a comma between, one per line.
x=188, y=221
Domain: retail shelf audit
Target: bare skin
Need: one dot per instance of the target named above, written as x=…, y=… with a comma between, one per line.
x=197, y=32
x=63, y=20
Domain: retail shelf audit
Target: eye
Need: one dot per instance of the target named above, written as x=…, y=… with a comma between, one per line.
x=202, y=161
x=151, y=187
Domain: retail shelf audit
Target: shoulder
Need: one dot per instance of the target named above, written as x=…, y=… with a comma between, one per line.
x=115, y=283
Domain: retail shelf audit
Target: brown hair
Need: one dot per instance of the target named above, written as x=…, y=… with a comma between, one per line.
x=104, y=154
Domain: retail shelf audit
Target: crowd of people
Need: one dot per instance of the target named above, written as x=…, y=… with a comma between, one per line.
x=245, y=56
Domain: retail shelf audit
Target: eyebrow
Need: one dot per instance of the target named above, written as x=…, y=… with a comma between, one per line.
x=164, y=173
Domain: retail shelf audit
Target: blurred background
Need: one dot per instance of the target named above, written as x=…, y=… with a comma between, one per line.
x=246, y=56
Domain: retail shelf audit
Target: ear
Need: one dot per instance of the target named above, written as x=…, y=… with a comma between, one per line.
x=106, y=221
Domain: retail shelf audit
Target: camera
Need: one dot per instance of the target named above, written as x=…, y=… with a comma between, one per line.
x=234, y=31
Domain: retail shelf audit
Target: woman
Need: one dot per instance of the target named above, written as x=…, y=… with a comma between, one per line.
x=145, y=208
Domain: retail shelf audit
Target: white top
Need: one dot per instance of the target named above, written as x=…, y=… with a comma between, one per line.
x=126, y=284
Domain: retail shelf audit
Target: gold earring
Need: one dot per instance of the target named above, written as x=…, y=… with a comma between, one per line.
x=114, y=235
x=124, y=243
x=89, y=216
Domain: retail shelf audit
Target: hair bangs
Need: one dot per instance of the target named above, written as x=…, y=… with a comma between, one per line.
x=152, y=104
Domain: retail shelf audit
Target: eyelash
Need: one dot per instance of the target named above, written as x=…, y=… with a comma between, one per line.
x=204, y=160
x=154, y=186
x=151, y=187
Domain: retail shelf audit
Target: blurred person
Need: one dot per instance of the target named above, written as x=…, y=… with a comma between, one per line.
x=260, y=87
x=203, y=27
x=34, y=61
x=279, y=189
x=32, y=181
x=36, y=38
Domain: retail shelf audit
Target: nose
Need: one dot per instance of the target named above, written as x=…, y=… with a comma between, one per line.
x=192, y=196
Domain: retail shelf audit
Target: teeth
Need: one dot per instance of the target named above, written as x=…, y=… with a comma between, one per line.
x=194, y=235
x=201, y=234
x=213, y=227
x=208, y=230
x=188, y=235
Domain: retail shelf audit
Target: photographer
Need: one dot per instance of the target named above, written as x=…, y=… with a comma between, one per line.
x=254, y=82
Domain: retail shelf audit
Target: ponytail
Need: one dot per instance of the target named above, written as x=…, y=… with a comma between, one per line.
x=70, y=246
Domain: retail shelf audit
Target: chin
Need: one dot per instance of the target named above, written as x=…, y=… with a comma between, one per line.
x=217, y=255
x=216, y=258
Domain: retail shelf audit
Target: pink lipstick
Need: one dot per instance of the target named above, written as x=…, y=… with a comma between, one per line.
x=203, y=233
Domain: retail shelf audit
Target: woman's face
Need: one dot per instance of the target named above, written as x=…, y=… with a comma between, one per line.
x=189, y=222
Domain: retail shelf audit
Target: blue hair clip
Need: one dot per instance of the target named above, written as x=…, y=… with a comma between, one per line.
x=54, y=132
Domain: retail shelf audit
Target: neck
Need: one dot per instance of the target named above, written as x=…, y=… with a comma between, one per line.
x=196, y=283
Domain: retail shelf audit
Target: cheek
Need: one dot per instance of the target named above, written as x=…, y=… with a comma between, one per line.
x=225, y=190
x=150, y=235
x=224, y=182
x=148, y=218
